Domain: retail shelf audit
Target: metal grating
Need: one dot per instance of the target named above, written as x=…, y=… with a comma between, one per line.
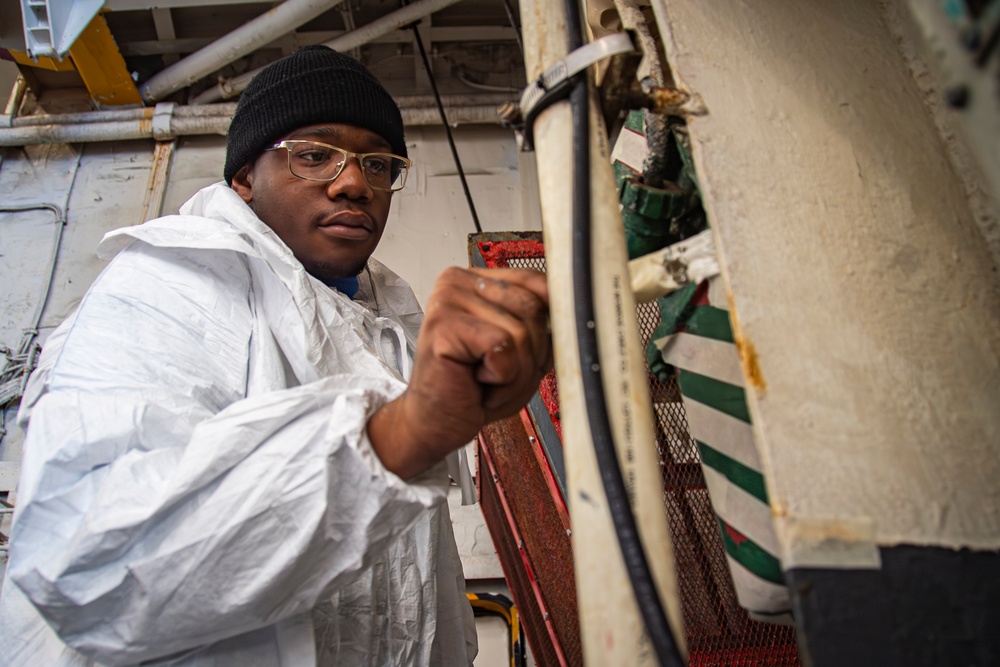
x=719, y=631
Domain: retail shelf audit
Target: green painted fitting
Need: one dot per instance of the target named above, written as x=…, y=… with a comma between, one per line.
x=656, y=203
x=635, y=121
x=644, y=235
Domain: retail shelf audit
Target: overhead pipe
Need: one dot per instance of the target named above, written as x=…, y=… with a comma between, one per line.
x=408, y=103
x=123, y=115
x=259, y=32
x=129, y=124
x=103, y=116
x=16, y=96
x=231, y=88
x=162, y=122
x=474, y=115
x=116, y=131
x=449, y=101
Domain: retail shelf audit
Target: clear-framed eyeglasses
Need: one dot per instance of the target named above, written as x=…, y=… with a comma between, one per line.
x=315, y=161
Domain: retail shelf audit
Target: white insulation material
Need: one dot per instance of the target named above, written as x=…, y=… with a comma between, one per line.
x=865, y=301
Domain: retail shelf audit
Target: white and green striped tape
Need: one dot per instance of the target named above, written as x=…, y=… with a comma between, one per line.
x=712, y=390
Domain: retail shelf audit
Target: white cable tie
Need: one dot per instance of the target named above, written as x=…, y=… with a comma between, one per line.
x=572, y=64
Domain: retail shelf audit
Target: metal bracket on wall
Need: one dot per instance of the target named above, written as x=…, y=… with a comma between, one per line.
x=95, y=57
x=52, y=26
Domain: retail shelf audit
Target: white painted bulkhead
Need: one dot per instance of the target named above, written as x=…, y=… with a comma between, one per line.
x=860, y=256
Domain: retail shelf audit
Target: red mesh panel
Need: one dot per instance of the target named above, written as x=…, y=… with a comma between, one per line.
x=529, y=531
x=719, y=632
x=513, y=253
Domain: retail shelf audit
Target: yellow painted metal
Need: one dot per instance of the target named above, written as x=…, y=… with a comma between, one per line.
x=43, y=62
x=102, y=67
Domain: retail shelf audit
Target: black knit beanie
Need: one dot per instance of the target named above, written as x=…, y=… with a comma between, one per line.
x=313, y=85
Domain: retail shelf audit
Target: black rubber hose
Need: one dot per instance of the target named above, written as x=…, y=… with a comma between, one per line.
x=643, y=587
x=447, y=129
x=513, y=23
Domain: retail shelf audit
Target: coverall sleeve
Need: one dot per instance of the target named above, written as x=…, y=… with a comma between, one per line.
x=161, y=510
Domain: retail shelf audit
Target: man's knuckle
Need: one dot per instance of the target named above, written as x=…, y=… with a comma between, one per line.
x=453, y=274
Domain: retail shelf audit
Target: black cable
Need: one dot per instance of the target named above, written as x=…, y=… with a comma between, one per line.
x=513, y=23
x=643, y=587
x=447, y=128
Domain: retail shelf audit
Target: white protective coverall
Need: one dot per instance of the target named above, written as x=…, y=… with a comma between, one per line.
x=197, y=485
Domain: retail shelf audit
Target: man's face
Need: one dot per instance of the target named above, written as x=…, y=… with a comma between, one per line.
x=332, y=228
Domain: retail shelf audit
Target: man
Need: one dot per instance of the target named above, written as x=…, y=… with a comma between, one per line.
x=224, y=465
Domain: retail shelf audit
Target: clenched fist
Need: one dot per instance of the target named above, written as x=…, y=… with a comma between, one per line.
x=483, y=349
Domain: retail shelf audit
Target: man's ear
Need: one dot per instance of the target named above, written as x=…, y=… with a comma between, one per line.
x=243, y=183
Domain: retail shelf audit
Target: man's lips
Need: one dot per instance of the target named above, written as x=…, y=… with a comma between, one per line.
x=348, y=224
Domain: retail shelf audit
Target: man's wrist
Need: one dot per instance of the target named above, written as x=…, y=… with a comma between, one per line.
x=391, y=432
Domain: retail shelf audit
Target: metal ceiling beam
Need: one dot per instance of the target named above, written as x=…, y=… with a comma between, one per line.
x=377, y=28
x=262, y=30
x=144, y=5
x=466, y=34
x=164, y=24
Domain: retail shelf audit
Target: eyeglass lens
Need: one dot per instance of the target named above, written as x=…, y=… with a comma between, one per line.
x=319, y=162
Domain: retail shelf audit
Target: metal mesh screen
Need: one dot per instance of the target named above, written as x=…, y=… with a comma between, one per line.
x=719, y=631
x=537, y=263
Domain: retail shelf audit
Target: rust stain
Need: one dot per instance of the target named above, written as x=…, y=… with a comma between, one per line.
x=668, y=98
x=859, y=530
x=778, y=509
x=161, y=155
x=748, y=353
x=751, y=367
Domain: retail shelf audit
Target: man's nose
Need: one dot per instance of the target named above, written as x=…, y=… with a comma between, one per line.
x=350, y=182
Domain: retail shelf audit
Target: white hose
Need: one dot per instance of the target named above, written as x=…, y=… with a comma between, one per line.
x=612, y=630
